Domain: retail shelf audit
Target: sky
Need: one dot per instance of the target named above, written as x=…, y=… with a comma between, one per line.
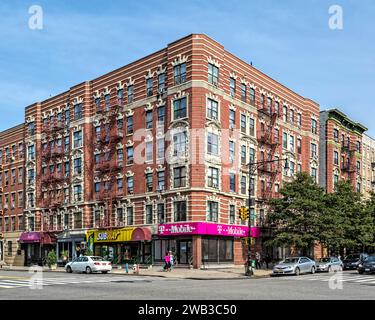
x=289, y=40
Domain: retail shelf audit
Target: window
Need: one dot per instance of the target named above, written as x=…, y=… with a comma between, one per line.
x=359, y=146
x=299, y=146
x=149, y=87
x=120, y=95
x=299, y=120
x=129, y=129
x=292, y=168
x=243, y=155
x=314, y=126
x=243, y=92
x=31, y=176
x=31, y=152
x=179, y=72
x=30, y=223
x=130, y=93
x=161, y=181
x=285, y=140
x=243, y=184
x=160, y=212
x=13, y=173
x=213, y=74
x=149, y=119
x=161, y=115
x=314, y=174
x=232, y=147
x=130, y=182
x=120, y=155
x=252, y=154
x=243, y=123
x=160, y=148
x=179, y=109
x=179, y=144
x=336, y=158
x=252, y=127
x=212, y=144
x=291, y=116
x=31, y=128
x=20, y=199
x=262, y=101
x=149, y=182
x=232, y=214
x=67, y=117
x=232, y=87
x=358, y=188
x=336, y=135
x=252, y=96
x=212, y=109
x=77, y=220
x=77, y=193
x=97, y=187
x=212, y=211
x=358, y=167
x=161, y=82
x=213, y=177
x=20, y=149
x=269, y=105
x=285, y=114
x=314, y=152
x=120, y=185
x=130, y=155
x=107, y=100
x=179, y=177
x=77, y=136
x=78, y=166
x=78, y=114
x=130, y=215
x=180, y=211
x=232, y=182
x=148, y=214
x=232, y=119
x=335, y=180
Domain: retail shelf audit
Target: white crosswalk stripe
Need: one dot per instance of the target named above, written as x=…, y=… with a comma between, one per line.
x=351, y=278
x=19, y=283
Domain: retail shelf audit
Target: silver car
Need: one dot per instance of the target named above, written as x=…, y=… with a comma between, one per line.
x=295, y=265
x=329, y=264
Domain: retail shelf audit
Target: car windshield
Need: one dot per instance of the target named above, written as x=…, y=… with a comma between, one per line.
x=370, y=259
x=97, y=259
x=352, y=256
x=325, y=260
x=290, y=260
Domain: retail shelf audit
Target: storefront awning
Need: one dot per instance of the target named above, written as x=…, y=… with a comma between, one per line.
x=141, y=234
x=37, y=237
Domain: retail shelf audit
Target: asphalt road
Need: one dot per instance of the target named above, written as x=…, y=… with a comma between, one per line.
x=59, y=286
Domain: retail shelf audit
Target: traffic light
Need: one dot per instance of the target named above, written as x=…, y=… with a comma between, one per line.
x=244, y=213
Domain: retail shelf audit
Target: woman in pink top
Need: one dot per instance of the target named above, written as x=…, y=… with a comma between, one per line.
x=167, y=260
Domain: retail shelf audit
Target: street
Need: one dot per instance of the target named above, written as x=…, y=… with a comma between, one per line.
x=56, y=285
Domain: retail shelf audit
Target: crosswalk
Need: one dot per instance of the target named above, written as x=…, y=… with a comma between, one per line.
x=35, y=283
x=337, y=276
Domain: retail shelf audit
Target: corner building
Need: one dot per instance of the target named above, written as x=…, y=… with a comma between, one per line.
x=154, y=157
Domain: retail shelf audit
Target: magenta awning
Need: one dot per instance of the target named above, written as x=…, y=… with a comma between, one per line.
x=30, y=237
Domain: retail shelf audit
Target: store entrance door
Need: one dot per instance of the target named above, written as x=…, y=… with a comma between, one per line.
x=184, y=251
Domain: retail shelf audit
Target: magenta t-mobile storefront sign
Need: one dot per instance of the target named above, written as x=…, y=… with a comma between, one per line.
x=204, y=228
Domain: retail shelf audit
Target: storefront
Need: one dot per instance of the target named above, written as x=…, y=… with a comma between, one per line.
x=202, y=243
x=125, y=245
x=36, y=246
x=69, y=245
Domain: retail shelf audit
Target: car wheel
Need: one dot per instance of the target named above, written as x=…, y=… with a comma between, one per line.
x=360, y=272
x=297, y=272
x=88, y=270
x=69, y=270
x=312, y=270
x=104, y=272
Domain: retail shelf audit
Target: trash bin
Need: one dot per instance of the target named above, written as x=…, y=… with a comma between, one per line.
x=253, y=264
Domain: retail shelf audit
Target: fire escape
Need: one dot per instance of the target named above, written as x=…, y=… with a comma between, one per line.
x=350, y=164
x=268, y=139
x=51, y=181
x=109, y=166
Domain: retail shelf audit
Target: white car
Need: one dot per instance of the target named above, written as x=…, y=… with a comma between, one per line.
x=88, y=264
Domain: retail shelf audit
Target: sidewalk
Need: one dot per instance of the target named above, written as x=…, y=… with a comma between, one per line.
x=234, y=273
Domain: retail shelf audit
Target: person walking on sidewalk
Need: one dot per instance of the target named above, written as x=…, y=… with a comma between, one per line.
x=167, y=260
x=257, y=258
x=171, y=259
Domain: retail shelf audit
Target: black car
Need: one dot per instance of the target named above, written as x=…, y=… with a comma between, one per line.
x=352, y=261
x=367, y=266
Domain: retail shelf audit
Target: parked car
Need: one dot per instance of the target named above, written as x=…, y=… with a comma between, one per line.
x=88, y=264
x=295, y=265
x=352, y=261
x=367, y=266
x=329, y=264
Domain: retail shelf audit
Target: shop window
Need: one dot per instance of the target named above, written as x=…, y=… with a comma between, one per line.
x=217, y=250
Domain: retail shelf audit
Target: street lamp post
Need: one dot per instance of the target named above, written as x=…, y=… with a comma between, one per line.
x=253, y=166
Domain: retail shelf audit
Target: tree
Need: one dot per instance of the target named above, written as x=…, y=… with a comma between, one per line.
x=298, y=215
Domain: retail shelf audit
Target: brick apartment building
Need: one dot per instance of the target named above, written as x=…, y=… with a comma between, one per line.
x=341, y=150
x=368, y=165
x=11, y=194
x=154, y=156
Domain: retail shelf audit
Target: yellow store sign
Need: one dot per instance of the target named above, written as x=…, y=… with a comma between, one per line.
x=117, y=235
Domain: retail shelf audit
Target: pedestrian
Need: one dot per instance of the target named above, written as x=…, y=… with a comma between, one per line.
x=171, y=258
x=267, y=260
x=167, y=260
x=257, y=258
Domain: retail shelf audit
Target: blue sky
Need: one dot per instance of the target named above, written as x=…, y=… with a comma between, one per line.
x=289, y=40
